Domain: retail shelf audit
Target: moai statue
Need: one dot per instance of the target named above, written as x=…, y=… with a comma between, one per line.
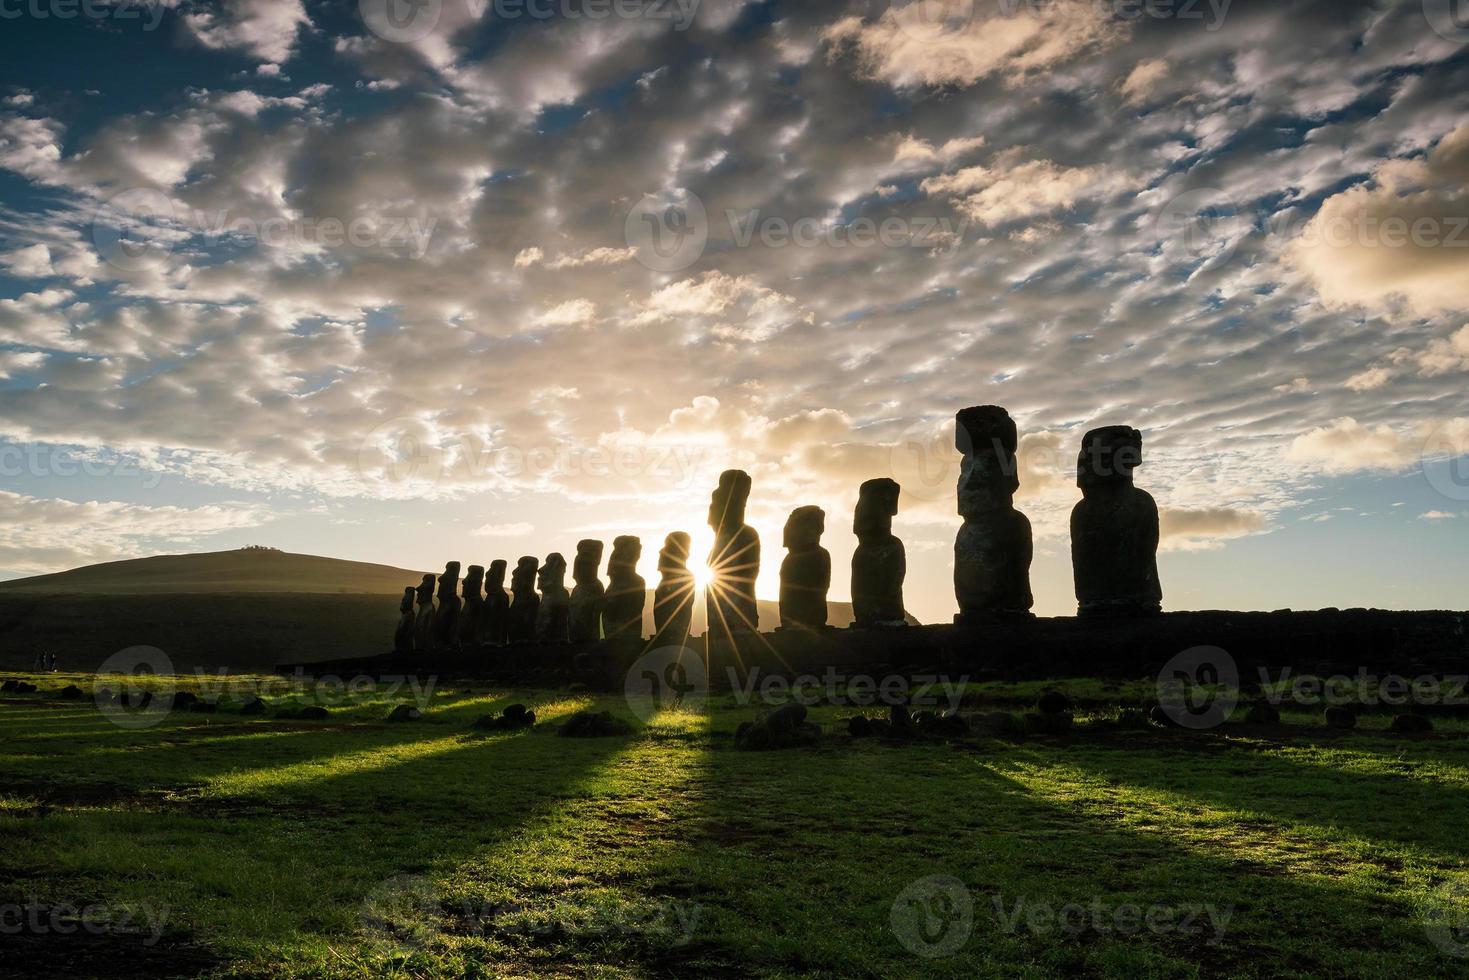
x=423, y=626
x=1114, y=529
x=993, y=549
x=446, y=620
x=879, y=564
x=403, y=635
x=497, y=606
x=734, y=562
x=553, y=619
x=673, y=600
x=627, y=593
x=805, y=575
x=472, y=615
x=588, y=595
x=520, y=624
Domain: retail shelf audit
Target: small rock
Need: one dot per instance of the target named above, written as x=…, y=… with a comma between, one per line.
x=784, y=728
x=1339, y=717
x=594, y=724
x=404, y=712
x=786, y=719
x=307, y=712
x=859, y=726
x=512, y=718
x=1412, y=724
x=254, y=706
x=1053, y=703
x=8, y=686
x=21, y=687
x=184, y=700
x=514, y=711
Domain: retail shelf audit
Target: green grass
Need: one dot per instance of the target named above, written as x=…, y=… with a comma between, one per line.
x=354, y=847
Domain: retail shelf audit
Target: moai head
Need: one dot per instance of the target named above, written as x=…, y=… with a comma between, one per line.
x=727, y=505
x=877, y=503
x=675, y=554
x=553, y=574
x=627, y=551
x=588, y=561
x=1108, y=457
x=524, y=578
x=988, y=475
x=426, y=590
x=804, y=528
x=408, y=596
x=449, y=579
x=495, y=577
x=474, y=580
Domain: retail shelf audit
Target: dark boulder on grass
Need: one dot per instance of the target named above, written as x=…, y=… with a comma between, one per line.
x=9, y=685
x=511, y=718
x=1053, y=703
x=859, y=726
x=21, y=687
x=306, y=712
x=253, y=706
x=1412, y=724
x=1263, y=713
x=594, y=724
x=1338, y=717
x=404, y=712
x=900, y=723
x=71, y=693
x=184, y=700
x=784, y=728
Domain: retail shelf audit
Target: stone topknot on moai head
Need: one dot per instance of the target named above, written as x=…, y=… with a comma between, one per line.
x=520, y=626
x=673, y=599
x=589, y=594
x=627, y=593
x=805, y=574
x=993, y=550
x=734, y=562
x=879, y=564
x=446, y=620
x=1114, y=528
x=472, y=612
x=553, y=619
x=497, y=606
x=423, y=627
x=403, y=635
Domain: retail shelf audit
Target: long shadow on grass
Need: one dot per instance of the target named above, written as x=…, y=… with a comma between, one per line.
x=797, y=860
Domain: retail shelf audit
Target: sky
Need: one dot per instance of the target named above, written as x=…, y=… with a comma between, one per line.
x=416, y=280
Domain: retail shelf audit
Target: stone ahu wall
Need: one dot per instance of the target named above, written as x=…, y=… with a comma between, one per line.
x=593, y=632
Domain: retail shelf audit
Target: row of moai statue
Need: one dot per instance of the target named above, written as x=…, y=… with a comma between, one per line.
x=1114, y=542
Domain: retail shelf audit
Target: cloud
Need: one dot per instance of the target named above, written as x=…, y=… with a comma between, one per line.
x=1347, y=446
x=519, y=529
x=1436, y=515
x=264, y=29
x=1204, y=528
x=1010, y=191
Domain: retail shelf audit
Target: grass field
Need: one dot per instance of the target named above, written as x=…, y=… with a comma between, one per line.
x=233, y=845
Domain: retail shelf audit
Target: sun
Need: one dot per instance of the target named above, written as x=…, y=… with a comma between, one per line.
x=702, y=543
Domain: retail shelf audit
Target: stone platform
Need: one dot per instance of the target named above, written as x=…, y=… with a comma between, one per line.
x=1325, y=641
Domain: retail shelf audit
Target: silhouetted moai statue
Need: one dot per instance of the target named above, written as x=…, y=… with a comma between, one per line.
x=520, y=626
x=1114, y=528
x=734, y=562
x=423, y=627
x=673, y=600
x=403, y=635
x=497, y=606
x=589, y=594
x=993, y=549
x=805, y=574
x=472, y=612
x=553, y=619
x=446, y=620
x=627, y=593
x=879, y=564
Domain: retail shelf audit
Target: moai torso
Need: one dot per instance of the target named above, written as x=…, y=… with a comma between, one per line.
x=471, y=613
x=627, y=593
x=589, y=593
x=423, y=627
x=446, y=621
x=553, y=618
x=497, y=606
x=403, y=635
x=879, y=565
x=805, y=574
x=734, y=562
x=520, y=626
x=673, y=600
x=1114, y=529
x=993, y=549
